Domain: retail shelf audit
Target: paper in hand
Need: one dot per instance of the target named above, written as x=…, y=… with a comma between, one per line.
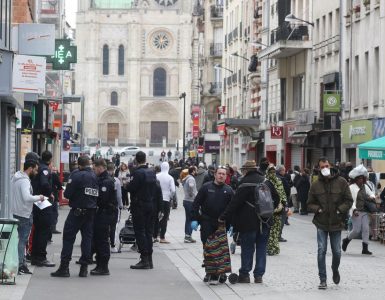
x=43, y=204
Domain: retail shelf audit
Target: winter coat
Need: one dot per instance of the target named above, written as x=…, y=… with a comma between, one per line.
x=210, y=202
x=22, y=195
x=242, y=216
x=331, y=195
x=200, y=177
x=166, y=181
x=302, y=185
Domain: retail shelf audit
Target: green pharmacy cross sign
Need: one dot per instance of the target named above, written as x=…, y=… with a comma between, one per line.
x=65, y=54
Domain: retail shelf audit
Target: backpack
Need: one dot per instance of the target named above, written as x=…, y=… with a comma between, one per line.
x=263, y=200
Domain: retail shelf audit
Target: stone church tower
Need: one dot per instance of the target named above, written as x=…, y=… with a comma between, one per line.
x=134, y=60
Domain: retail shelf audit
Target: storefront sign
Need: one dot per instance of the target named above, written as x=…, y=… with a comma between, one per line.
x=276, y=132
x=29, y=74
x=221, y=129
x=271, y=147
x=36, y=39
x=372, y=154
x=356, y=132
x=65, y=54
x=212, y=146
x=195, y=114
x=332, y=102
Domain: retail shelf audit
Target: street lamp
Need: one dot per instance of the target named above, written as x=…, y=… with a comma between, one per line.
x=237, y=55
x=183, y=95
x=292, y=18
x=217, y=66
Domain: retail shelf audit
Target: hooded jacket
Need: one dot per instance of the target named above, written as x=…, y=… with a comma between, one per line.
x=22, y=196
x=166, y=181
x=332, y=195
x=189, y=188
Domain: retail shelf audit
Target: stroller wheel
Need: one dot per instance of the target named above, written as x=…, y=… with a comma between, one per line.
x=233, y=278
x=232, y=247
x=222, y=278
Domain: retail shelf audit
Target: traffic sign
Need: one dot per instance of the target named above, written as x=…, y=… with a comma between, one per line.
x=200, y=149
x=65, y=54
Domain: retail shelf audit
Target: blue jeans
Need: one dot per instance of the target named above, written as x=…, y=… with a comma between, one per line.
x=23, y=229
x=187, y=225
x=254, y=242
x=335, y=243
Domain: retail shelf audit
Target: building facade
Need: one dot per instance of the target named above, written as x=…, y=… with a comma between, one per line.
x=134, y=61
x=239, y=117
x=363, y=75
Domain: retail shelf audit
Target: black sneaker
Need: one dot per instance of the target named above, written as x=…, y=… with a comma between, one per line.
x=336, y=277
x=322, y=285
x=24, y=270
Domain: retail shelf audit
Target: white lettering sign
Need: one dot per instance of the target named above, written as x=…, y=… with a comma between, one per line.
x=374, y=154
x=353, y=131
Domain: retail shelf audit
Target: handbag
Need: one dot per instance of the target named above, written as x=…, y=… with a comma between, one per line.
x=370, y=206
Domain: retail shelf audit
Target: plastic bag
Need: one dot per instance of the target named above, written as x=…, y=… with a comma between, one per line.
x=359, y=171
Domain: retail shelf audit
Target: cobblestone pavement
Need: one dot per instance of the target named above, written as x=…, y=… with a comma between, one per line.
x=178, y=273
x=291, y=275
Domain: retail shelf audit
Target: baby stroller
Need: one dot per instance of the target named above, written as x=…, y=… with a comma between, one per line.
x=127, y=234
x=217, y=257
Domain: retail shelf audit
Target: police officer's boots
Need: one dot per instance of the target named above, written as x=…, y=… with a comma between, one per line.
x=143, y=264
x=63, y=270
x=83, y=271
x=101, y=269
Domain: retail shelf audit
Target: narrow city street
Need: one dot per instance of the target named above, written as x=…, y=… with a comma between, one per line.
x=178, y=274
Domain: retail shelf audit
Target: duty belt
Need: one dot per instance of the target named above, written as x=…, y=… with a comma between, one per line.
x=82, y=211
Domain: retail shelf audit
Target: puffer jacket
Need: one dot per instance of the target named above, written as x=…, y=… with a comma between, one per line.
x=332, y=195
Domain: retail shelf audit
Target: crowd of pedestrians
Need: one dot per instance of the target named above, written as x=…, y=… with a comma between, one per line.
x=98, y=189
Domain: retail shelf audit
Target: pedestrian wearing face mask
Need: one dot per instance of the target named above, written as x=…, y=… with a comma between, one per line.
x=330, y=199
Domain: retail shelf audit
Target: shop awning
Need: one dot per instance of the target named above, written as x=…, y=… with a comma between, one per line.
x=247, y=126
x=374, y=149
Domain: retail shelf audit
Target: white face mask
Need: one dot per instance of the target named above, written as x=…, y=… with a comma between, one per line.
x=325, y=172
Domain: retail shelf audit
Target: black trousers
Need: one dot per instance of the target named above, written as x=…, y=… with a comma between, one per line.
x=142, y=218
x=114, y=221
x=164, y=221
x=73, y=224
x=102, y=223
x=42, y=221
x=55, y=216
x=124, y=197
x=207, y=228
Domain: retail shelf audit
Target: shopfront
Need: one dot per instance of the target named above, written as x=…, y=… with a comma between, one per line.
x=355, y=132
x=274, y=144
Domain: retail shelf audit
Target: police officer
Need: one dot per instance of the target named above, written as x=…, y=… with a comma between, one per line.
x=82, y=190
x=143, y=191
x=107, y=205
x=42, y=219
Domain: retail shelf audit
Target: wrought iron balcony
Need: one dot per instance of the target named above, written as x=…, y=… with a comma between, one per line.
x=286, y=41
x=216, y=12
x=216, y=49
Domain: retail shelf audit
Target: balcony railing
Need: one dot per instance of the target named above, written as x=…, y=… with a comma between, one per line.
x=215, y=88
x=234, y=78
x=301, y=33
x=216, y=49
x=49, y=7
x=216, y=12
x=230, y=39
x=229, y=81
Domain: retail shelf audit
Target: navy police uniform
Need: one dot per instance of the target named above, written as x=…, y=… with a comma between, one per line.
x=42, y=219
x=82, y=190
x=142, y=188
x=107, y=205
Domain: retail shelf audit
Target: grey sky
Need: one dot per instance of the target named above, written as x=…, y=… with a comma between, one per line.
x=71, y=6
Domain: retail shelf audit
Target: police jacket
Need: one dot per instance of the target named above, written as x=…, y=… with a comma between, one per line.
x=82, y=189
x=211, y=201
x=107, y=193
x=142, y=186
x=42, y=182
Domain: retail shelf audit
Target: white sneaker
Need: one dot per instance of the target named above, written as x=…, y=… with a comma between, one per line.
x=114, y=250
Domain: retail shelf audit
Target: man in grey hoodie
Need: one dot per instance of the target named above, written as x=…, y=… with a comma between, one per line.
x=200, y=176
x=190, y=191
x=22, y=203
